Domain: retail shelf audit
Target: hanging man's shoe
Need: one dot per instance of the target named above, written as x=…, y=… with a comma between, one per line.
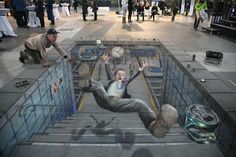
x=167, y=116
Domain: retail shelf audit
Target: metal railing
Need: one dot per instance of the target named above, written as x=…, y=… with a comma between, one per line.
x=23, y=110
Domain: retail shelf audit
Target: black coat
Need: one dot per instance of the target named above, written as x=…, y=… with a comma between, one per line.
x=84, y=6
x=94, y=6
x=39, y=8
x=154, y=10
x=140, y=9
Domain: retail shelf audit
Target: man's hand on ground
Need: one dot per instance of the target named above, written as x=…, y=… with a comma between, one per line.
x=45, y=64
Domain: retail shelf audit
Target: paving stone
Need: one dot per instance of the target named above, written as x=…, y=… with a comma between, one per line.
x=231, y=119
x=173, y=47
x=202, y=74
x=11, y=86
x=7, y=100
x=229, y=78
x=195, y=65
x=233, y=151
x=31, y=73
x=226, y=101
x=226, y=136
x=185, y=58
x=216, y=86
x=3, y=119
x=178, y=52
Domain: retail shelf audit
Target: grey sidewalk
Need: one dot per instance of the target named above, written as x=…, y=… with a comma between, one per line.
x=181, y=32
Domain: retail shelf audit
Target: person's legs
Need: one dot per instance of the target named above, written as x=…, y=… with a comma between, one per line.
x=129, y=15
x=25, y=18
x=158, y=125
x=174, y=14
x=84, y=16
x=197, y=23
x=113, y=104
x=124, y=14
x=99, y=94
x=95, y=15
x=42, y=23
x=197, y=20
x=36, y=56
x=51, y=16
x=146, y=114
x=137, y=16
x=19, y=19
x=151, y=16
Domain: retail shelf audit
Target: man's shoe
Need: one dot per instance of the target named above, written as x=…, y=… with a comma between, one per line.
x=23, y=54
x=167, y=116
x=21, y=60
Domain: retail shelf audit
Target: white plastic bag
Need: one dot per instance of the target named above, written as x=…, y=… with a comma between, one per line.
x=203, y=15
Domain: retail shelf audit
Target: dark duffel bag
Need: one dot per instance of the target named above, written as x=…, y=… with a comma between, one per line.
x=214, y=55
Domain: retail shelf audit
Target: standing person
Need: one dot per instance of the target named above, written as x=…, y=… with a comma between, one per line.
x=187, y=7
x=35, y=48
x=130, y=10
x=39, y=9
x=161, y=5
x=175, y=9
x=50, y=11
x=84, y=9
x=75, y=5
x=154, y=11
x=7, y=4
x=201, y=5
x=95, y=9
x=140, y=10
x=124, y=4
x=112, y=95
x=147, y=7
x=69, y=6
x=209, y=8
x=10, y=6
x=20, y=13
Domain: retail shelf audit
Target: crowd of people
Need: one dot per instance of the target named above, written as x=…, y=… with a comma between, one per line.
x=202, y=10
x=138, y=8
x=18, y=9
x=146, y=8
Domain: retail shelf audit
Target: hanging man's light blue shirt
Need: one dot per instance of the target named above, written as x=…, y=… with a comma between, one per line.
x=116, y=89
